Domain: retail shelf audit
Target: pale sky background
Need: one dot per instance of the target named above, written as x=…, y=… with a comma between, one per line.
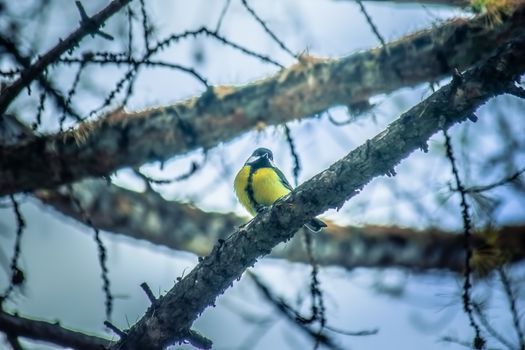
x=60, y=256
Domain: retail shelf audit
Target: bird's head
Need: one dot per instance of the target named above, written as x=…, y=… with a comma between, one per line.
x=260, y=156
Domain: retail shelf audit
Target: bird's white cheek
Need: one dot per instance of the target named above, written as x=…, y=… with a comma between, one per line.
x=253, y=159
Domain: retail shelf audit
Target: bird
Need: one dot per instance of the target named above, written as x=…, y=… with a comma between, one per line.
x=260, y=183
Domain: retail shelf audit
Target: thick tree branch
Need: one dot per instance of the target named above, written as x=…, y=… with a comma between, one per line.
x=148, y=216
x=454, y=3
x=88, y=25
x=49, y=332
x=220, y=114
x=171, y=316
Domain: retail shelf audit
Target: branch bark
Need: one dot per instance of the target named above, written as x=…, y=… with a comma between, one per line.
x=89, y=25
x=49, y=332
x=222, y=113
x=148, y=216
x=169, y=319
x=452, y=3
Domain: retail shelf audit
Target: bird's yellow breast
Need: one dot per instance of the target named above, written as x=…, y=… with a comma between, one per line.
x=265, y=184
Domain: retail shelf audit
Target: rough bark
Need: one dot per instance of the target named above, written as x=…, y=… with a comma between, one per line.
x=87, y=26
x=131, y=138
x=452, y=3
x=148, y=216
x=49, y=332
x=169, y=319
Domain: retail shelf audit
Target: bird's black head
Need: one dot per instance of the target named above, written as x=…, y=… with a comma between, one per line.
x=261, y=157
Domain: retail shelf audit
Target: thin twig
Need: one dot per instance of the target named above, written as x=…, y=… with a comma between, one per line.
x=490, y=330
x=17, y=276
x=511, y=298
x=49, y=332
x=102, y=255
x=318, y=307
x=42, y=80
x=289, y=313
x=108, y=59
x=14, y=342
x=267, y=29
x=71, y=92
x=130, y=32
x=205, y=31
x=40, y=110
x=115, y=329
x=89, y=26
x=148, y=292
x=373, y=26
x=222, y=15
x=145, y=24
x=479, y=342
x=502, y=182
x=295, y=156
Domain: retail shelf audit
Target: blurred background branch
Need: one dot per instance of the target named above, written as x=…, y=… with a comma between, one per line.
x=132, y=138
x=148, y=216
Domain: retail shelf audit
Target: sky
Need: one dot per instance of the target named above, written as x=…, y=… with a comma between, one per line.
x=411, y=311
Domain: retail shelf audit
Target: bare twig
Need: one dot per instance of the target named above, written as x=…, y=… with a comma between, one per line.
x=365, y=332
x=198, y=340
x=502, y=182
x=316, y=293
x=71, y=92
x=148, y=292
x=49, y=332
x=40, y=110
x=102, y=255
x=319, y=337
x=45, y=84
x=489, y=329
x=373, y=26
x=511, y=298
x=14, y=342
x=222, y=15
x=17, y=276
x=88, y=25
x=115, y=329
x=193, y=169
x=266, y=29
x=479, y=341
x=295, y=156
x=146, y=28
x=517, y=91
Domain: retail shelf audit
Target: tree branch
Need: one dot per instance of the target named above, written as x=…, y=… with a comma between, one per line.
x=49, y=332
x=88, y=25
x=171, y=316
x=309, y=87
x=148, y=216
x=454, y=3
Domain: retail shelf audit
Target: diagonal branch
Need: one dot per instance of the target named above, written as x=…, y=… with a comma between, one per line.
x=148, y=216
x=453, y=3
x=169, y=319
x=129, y=139
x=88, y=25
x=49, y=332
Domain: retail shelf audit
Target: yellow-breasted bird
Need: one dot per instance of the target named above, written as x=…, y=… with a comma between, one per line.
x=260, y=183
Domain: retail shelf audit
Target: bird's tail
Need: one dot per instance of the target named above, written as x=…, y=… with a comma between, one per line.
x=315, y=225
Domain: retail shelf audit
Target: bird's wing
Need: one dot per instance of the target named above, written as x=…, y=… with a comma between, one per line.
x=283, y=179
